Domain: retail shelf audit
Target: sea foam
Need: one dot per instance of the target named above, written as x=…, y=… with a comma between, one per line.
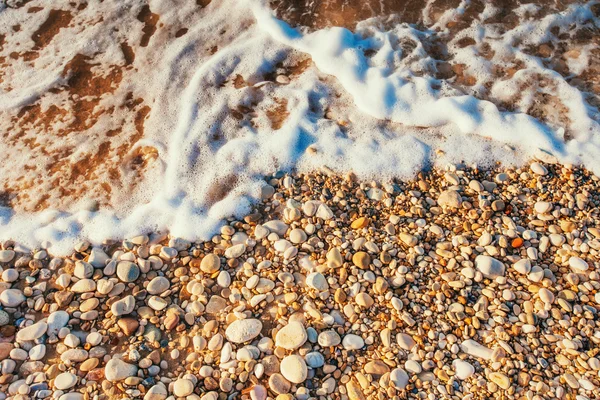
x=372, y=103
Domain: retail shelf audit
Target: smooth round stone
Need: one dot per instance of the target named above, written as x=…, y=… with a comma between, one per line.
x=462, y=369
x=6, y=256
x=294, y=369
x=235, y=251
x=449, y=198
x=258, y=392
x=74, y=355
x=117, y=370
x=523, y=266
x=413, y=366
x=123, y=306
x=128, y=271
x=489, y=266
x=361, y=259
x=538, y=169
x=546, y=296
x=210, y=263
x=156, y=392
x=291, y=336
x=542, y=207
x=243, y=330
x=83, y=270
x=12, y=298
x=399, y=378
x=183, y=387
x=298, y=236
x=314, y=359
x=94, y=339
x=84, y=286
x=224, y=279
x=578, y=264
x=10, y=275
x=317, y=281
x=157, y=303
x=279, y=384
x=376, y=367
x=71, y=396
x=37, y=352
x=32, y=332
x=405, y=341
x=353, y=342
x=64, y=381
x=364, y=300
x=158, y=285
x=329, y=338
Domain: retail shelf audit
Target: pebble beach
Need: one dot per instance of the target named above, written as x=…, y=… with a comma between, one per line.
x=462, y=283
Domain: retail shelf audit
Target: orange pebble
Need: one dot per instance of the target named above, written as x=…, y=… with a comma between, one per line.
x=517, y=242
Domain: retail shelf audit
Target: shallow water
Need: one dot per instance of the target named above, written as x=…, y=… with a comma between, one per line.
x=165, y=115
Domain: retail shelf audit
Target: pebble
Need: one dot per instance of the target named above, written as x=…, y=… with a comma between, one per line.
x=12, y=298
x=294, y=369
x=6, y=256
x=243, y=330
x=475, y=349
x=399, y=378
x=546, y=296
x=32, y=332
x=405, y=341
x=123, y=306
x=65, y=381
x=490, y=267
x=314, y=359
x=523, y=266
x=156, y=392
x=84, y=286
x=298, y=236
x=128, y=271
x=500, y=379
x=329, y=338
x=317, y=281
x=158, y=285
x=117, y=370
x=183, y=387
x=578, y=264
x=211, y=263
x=291, y=336
x=361, y=260
x=462, y=369
x=538, y=169
x=450, y=198
x=353, y=342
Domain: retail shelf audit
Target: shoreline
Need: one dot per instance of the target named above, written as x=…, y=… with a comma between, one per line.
x=461, y=283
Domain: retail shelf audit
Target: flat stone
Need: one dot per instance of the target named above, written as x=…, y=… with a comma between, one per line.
x=476, y=350
x=157, y=303
x=364, y=300
x=158, y=285
x=235, y=251
x=314, y=359
x=578, y=264
x=84, y=286
x=32, y=332
x=277, y=226
x=243, y=330
x=489, y=266
x=405, y=341
x=376, y=367
x=294, y=369
x=500, y=379
x=128, y=271
x=523, y=266
x=291, y=336
x=65, y=381
x=12, y=298
x=117, y=370
x=37, y=352
x=329, y=338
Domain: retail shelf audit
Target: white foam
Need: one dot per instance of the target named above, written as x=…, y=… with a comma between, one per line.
x=395, y=112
